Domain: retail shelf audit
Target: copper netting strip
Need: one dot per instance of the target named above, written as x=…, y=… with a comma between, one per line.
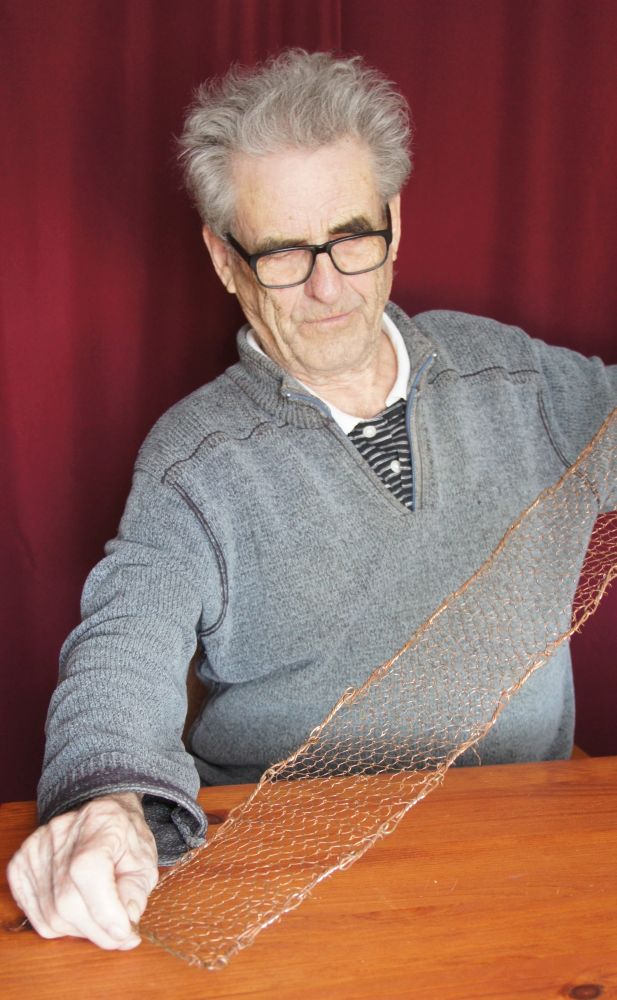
x=386, y=745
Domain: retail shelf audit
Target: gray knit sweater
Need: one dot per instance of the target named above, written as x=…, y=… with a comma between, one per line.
x=255, y=527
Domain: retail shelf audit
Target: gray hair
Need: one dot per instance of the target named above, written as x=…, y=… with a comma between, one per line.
x=294, y=100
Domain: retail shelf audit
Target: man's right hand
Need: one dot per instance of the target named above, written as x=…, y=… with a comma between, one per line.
x=88, y=873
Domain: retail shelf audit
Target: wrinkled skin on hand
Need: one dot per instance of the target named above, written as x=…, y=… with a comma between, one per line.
x=88, y=873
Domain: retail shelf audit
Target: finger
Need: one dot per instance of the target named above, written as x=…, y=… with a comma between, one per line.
x=55, y=903
x=92, y=876
x=25, y=895
x=99, y=852
x=133, y=890
x=71, y=918
x=137, y=871
x=31, y=879
x=32, y=891
x=67, y=876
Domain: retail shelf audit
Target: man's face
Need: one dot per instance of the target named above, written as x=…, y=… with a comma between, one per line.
x=330, y=325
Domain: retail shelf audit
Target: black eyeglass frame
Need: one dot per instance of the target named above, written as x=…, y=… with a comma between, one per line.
x=252, y=259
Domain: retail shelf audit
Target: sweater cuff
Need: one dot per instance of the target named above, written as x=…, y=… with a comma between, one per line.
x=176, y=820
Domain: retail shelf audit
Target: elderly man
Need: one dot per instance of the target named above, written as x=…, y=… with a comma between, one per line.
x=300, y=516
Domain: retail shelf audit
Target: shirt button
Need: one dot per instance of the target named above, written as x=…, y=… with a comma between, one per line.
x=369, y=431
x=395, y=466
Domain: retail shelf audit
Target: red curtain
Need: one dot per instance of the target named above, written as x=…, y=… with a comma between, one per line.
x=110, y=311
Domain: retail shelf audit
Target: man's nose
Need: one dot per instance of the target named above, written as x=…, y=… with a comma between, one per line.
x=325, y=282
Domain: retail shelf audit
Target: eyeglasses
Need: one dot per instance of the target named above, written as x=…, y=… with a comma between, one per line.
x=291, y=266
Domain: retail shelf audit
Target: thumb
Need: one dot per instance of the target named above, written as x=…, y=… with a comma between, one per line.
x=133, y=893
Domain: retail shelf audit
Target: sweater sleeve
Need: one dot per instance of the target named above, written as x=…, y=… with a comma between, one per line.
x=116, y=718
x=579, y=394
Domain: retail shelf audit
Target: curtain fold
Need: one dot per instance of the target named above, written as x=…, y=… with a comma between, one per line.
x=110, y=311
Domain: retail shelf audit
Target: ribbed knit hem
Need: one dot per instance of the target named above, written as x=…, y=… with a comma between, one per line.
x=176, y=820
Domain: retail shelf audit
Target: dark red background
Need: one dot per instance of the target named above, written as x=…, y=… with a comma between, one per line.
x=110, y=311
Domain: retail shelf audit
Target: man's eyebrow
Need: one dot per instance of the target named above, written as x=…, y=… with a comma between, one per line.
x=277, y=243
x=357, y=224
x=351, y=227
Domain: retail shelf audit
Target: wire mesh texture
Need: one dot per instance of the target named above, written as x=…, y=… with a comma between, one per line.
x=387, y=744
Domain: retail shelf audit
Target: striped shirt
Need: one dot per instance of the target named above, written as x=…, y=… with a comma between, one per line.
x=383, y=443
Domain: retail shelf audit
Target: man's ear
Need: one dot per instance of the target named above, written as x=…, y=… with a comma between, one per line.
x=395, y=212
x=220, y=254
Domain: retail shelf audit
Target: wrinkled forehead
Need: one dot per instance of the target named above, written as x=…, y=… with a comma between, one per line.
x=302, y=195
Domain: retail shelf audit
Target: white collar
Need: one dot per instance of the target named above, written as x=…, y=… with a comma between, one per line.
x=348, y=421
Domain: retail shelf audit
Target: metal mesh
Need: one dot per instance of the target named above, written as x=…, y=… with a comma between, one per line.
x=386, y=745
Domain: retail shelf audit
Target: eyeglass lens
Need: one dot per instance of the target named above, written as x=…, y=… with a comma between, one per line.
x=350, y=256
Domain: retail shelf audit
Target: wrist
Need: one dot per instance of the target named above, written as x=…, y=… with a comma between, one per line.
x=130, y=800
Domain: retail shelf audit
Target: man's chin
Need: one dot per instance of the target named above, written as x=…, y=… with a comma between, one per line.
x=334, y=356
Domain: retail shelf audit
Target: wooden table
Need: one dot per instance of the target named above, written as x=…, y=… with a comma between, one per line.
x=501, y=884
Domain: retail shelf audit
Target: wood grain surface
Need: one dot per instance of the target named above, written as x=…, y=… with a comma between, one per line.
x=501, y=885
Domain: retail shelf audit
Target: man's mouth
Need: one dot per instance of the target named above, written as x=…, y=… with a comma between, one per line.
x=330, y=320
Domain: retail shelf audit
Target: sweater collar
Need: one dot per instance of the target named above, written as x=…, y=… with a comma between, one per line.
x=286, y=399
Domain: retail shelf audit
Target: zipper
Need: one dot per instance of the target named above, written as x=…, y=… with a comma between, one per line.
x=299, y=397
x=416, y=385
x=412, y=436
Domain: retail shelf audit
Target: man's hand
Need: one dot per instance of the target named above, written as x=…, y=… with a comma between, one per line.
x=88, y=873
